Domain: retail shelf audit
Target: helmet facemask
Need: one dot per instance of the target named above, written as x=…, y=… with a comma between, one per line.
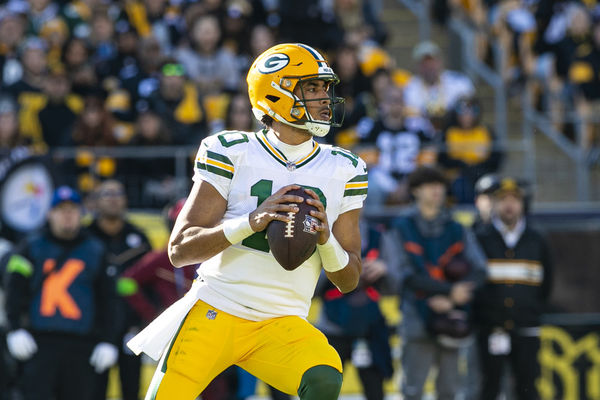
x=300, y=111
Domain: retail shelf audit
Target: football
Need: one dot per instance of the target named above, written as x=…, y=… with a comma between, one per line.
x=294, y=242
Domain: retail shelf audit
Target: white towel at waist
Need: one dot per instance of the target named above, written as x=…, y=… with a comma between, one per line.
x=153, y=339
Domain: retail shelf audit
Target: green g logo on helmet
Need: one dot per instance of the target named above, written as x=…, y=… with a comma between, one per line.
x=273, y=63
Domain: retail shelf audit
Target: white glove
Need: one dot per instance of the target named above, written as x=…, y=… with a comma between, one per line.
x=21, y=344
x=104, y=356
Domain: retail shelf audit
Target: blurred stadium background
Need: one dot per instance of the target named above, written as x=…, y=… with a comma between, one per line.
x=99, y=89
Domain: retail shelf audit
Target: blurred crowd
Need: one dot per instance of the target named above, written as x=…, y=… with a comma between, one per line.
x=145, y=74
x=138, y=75
x=552, y=46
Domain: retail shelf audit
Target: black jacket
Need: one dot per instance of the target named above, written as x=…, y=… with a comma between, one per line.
x=519, y=280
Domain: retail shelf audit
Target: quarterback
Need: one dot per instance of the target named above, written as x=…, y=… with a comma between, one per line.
x=244, y=308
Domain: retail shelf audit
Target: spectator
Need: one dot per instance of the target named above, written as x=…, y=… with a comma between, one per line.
x=422, y=246
x=158, y=18
x=360, y=14
x=10, y=139
x=60, y=277
x=95, y=125
x=399, y=149
x=153, y=182
x=56, y=33
x=7, y=375
x=123, y=63
x=576, y=41
x=508, y=308
x=513, y=24
x=310, y=21
x=12, y=33
x=75, y=54
x=142, y=80
x=469, y=149
x=102, y=37
x=239, y=115
x=564, y=35
x=584, y=75
x=179, y=104
x=210, y=66
x=236, y=31
x=261, y=39
x=484, y=188
x=353, y=322
x=40, y=12
x=125, y=244
x=76, y=58
x=367, y=105
x=28, y=90
x=433, y=91
x=58, y=116
x=150, y=129
x=353, y=83
x=155, y=275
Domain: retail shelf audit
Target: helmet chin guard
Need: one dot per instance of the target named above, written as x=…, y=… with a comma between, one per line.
x=275, y=75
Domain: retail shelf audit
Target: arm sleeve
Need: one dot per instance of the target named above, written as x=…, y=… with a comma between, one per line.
x=132, y=281
x=355, y=190
x=19, y=271
x=475, y=257
x=409, y=277
x=213, y=163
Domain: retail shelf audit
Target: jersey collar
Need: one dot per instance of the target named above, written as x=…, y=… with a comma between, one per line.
x=281, y=158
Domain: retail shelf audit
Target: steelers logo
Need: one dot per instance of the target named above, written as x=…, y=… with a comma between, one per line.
x=273, y=63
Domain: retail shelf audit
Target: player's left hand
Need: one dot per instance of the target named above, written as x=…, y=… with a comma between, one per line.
x=323, y=227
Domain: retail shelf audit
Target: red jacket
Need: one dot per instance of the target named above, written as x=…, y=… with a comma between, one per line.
x=154, y=274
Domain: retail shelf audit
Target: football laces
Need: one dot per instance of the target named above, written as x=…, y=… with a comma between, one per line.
x=289, y=226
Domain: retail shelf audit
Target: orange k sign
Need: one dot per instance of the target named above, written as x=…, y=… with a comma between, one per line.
x=55, y=294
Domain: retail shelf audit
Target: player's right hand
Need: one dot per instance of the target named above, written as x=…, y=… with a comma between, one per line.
x=275, y=207
x=21, y=344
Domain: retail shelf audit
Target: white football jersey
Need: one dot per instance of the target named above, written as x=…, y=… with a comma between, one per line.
x=245, y=279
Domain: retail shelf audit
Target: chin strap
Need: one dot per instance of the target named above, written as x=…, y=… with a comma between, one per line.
x=318, y=129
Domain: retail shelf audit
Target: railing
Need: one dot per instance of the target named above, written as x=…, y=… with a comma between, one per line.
x=473, y=66
x=420, y=8
x=535, y=120
x=180, y=155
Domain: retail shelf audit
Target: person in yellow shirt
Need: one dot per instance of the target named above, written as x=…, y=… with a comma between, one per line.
x=469, y=149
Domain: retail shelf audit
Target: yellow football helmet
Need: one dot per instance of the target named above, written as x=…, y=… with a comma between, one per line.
x=275, y=74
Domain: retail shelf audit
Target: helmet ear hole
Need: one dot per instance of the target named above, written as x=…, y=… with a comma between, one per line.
x=272, y=98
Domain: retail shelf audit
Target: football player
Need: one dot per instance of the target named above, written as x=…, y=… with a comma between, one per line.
x=244, y=308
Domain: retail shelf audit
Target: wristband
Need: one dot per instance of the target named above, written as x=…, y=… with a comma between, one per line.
x=237, y=229
x=333, y=256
